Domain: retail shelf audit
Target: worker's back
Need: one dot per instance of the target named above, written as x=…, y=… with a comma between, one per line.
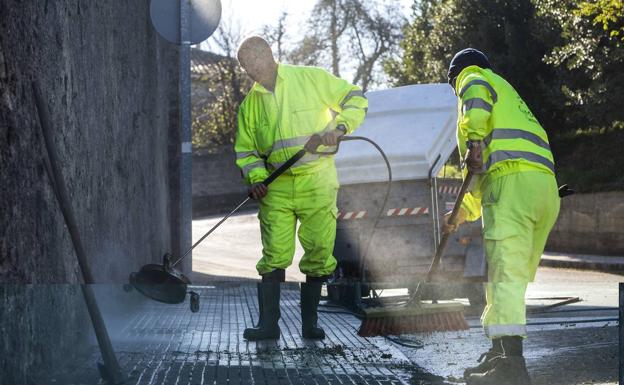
x=514, y=139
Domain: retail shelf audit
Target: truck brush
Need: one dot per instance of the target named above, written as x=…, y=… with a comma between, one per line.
x=418, y=318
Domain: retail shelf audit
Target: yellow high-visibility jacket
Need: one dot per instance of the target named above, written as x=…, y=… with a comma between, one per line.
x=490, y=109
x=273, y=126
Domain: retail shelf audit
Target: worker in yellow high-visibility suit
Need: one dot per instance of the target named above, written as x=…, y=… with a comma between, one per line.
x=285, y=107
x=515, y=192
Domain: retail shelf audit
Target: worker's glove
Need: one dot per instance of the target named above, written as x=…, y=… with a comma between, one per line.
x=258, y=191
x=331, y=138
x=459, y=219
x=474, y=156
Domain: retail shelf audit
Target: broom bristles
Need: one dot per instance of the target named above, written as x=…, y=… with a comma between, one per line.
x=379, y=322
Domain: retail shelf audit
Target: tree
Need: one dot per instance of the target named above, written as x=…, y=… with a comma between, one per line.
x=350, y=36
x=590, y=57
x=508, y=31
x=215, y=119
x=565, y=58
x=374, y=34
x=412, y=66
x=327, y=25
x=276, y=36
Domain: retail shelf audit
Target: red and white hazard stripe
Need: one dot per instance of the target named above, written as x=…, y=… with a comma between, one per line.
x=351, y=215
x=407, y=211
x=449, y=190
x=398, y=212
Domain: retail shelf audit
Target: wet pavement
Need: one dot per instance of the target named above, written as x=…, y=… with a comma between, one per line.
x=168, y=344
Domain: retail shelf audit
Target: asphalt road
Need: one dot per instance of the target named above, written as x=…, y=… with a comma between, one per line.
x=233, y=250
x=571, y=344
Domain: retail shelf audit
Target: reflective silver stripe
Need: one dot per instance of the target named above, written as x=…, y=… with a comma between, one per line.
x=493, y=331
x=350, y=95
x=292, y=142
x=499, y=156
x=307, y=158
x=244, y=154
x=477, y=103
x=300, y=140
x=482, y=83
x=248, y=167
x=354, y=107
x=514, y=133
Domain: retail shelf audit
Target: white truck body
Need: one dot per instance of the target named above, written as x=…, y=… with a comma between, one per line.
x=414, y=125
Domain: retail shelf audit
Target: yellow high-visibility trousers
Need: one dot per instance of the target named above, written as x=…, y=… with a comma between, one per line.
x=311, y=199
x=519, y=210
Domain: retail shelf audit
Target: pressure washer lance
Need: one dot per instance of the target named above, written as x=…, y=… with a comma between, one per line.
x=166, y=284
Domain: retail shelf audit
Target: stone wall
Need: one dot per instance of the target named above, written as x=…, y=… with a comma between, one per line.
x=110, y=83
x=111, y=87
x=590, y=224
x=217, y=183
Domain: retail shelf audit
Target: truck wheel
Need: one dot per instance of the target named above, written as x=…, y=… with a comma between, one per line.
x=333, y=292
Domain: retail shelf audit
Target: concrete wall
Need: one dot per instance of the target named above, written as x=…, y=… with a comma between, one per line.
x=217, y=183
x=111, y=87
x=587, y=224
x=590, y=224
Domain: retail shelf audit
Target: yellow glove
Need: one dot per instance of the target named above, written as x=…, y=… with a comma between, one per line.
x=459, y=219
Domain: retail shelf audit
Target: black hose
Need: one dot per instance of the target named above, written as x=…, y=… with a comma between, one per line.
x=583, y=321
x=340, y=312
x=399, y=341
x=289, y=163
x=542, y=323
x=384, y=203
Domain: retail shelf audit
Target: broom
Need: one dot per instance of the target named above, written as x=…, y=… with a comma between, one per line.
x=416, y=316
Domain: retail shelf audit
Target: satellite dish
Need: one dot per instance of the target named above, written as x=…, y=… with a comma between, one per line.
x=204, y=17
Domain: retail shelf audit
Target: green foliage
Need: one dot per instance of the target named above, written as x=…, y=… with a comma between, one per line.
x=590, y=58
x=564, y=57
x=223, y=88
x=218, y=88
x=608, y=13
x=507, y=31
x=591, y=160
x=351, y=36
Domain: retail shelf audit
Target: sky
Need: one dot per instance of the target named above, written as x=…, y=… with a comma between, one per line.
x=254, y=14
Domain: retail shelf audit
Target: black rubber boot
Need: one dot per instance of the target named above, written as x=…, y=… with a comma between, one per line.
x=310, y=297
x=487, y=359
x=510, y=369
x=260, y=305
x=268, y=304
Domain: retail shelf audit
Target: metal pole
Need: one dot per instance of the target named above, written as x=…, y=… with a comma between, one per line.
x=621, y=329
x=186, y=206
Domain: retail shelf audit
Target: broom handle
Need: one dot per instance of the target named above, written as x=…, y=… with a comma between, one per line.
x=445, y=237
x=113, y=371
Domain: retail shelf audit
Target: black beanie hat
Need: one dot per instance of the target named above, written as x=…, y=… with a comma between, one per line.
x=465, y=58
